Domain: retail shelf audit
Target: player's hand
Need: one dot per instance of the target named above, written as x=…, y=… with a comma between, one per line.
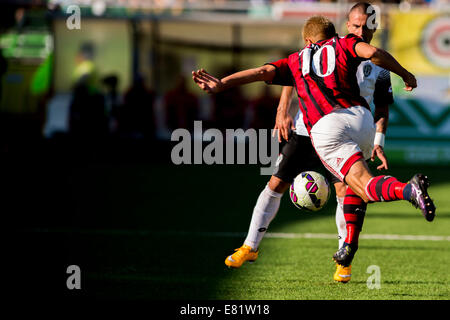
x=410, y=82
x=206, y=82
x=283, y=123
x=379, y=153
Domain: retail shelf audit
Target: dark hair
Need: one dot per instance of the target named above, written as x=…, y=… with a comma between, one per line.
x=365, y=8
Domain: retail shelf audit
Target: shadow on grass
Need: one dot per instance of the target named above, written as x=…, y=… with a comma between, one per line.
x=68, y=190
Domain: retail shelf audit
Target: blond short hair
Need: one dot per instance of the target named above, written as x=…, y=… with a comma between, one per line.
x=319, y=28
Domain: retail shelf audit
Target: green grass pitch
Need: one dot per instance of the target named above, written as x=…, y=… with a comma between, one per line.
x=155, y=232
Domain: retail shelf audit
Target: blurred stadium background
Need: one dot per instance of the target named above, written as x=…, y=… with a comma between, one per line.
x=86, y=114
x=146, y=49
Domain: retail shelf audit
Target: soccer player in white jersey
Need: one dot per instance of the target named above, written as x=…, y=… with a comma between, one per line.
x=298, y=154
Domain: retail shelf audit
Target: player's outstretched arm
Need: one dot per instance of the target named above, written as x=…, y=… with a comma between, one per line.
x=210, y=84
x=206, y=82
x=385, y=60
x=283, y=121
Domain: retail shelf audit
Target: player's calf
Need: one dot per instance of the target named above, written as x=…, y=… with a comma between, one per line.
x=354, y=213
x=387, y=188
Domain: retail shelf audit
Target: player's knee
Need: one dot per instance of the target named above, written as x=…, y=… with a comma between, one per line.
x=357, y=179
x=341, y=224
x=339, y=205
x=341, y=189
x=278, y=185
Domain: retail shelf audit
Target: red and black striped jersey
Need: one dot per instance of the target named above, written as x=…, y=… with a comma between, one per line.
x=324, y=75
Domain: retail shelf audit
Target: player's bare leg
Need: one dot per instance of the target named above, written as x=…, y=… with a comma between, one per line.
x=265, y=210
x=388, y=188
x=278, y=185
x=358, y=177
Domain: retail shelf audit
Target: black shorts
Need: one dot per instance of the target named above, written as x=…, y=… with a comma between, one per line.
x=298, y=155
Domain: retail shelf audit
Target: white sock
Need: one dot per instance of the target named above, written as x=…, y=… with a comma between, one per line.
x=265, y=210
x=340, y=220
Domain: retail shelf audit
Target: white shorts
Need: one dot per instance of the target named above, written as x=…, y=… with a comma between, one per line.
x=343, y=137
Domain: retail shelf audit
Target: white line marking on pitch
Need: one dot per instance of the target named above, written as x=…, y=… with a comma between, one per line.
x=274, y=235
x=362, y=236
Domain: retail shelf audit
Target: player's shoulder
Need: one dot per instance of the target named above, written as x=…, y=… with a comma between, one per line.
x=368, y=69
x=349, y=36
x=329, y=41
x=294, y=54
x=293, y=57
x=348, y=42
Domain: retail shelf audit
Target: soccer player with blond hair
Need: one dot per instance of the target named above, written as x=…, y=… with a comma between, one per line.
x=338, y=120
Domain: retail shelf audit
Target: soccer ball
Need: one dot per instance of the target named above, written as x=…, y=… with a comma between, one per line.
x=310, y=191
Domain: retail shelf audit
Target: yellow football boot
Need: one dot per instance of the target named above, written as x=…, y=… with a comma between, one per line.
x=342, y=274
x=241, y=255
